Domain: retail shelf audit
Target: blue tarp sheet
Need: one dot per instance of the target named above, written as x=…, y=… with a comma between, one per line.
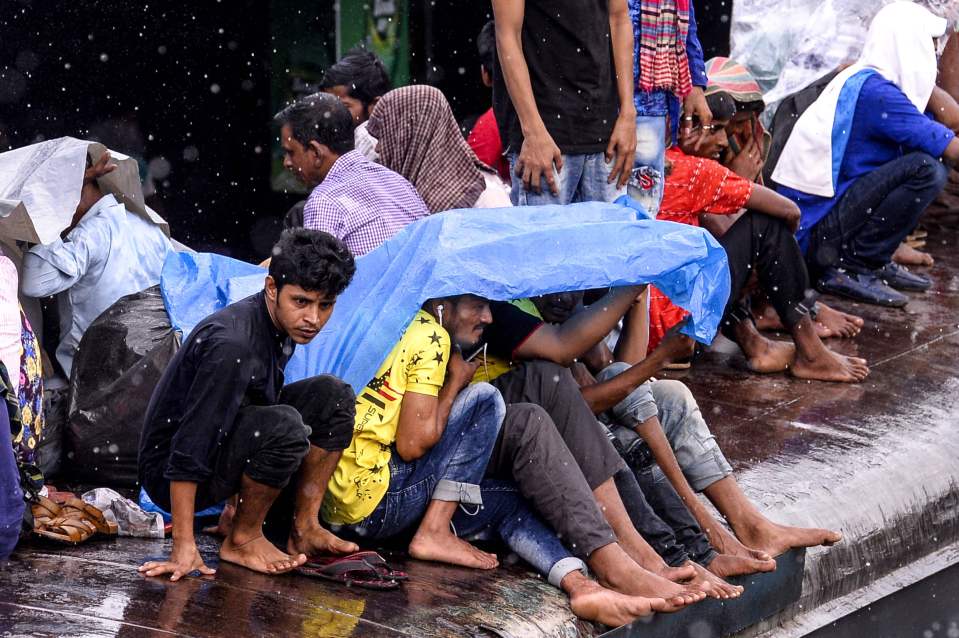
x=495, y=253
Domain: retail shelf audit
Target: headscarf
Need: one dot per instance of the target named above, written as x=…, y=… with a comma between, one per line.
x=728, y=76
x=419, y=139
x=899, y=46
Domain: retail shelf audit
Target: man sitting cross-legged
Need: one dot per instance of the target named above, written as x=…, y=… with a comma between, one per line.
x=675, y=435
x=420, y=448
x=220, y=422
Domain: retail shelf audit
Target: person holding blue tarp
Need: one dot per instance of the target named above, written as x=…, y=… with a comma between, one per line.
x=863, y=162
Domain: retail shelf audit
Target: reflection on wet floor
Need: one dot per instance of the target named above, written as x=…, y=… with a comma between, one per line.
x=876, y=460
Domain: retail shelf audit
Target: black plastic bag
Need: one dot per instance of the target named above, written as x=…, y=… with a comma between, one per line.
x=120, y=360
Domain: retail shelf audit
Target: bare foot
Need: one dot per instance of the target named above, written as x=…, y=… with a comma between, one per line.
x=727, y=566
x=836, y=323
x=593, y=602
x=830, y=366
x=730, y=547
x=260, y=555
x=447, y=548
x=713, y=585
x=909, y=256
x=224, y=525
x=776, y=539
x=766, y=355
x=634, y=580
x=315, y=540
x=677, y=574
x=767, y=319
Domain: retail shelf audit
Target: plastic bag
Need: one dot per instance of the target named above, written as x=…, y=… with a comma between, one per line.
x=120, y=360
x=499, y=254
x=131, y=519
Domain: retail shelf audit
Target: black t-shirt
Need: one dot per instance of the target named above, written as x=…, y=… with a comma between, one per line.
x=510, y=328
x=568, y=50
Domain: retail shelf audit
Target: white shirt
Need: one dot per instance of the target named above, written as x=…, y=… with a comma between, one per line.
x=111, y=253
x=11, y=326
x=496, y=194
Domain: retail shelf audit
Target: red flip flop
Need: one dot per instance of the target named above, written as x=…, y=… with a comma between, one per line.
x=348, y=571
x=371, y=558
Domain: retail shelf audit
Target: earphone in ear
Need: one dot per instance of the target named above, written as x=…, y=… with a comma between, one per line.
x=439, y=311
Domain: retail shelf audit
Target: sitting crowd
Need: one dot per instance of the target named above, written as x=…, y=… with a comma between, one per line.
x=538, y=423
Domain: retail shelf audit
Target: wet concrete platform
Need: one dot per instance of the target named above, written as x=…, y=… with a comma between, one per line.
x=876, y=460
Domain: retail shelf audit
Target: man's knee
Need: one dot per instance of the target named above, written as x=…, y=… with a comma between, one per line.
x=674, y=400
x=483, y=404
x=931, y=172
x=525, y=425
x=551, y=372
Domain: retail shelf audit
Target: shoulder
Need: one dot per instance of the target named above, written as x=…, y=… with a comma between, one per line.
x=877, y=90
x=425, y=330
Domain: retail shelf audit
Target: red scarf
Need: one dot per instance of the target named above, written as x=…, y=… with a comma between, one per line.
x=664, y=25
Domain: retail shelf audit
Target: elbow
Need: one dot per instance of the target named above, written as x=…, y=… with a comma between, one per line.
x=411, y=451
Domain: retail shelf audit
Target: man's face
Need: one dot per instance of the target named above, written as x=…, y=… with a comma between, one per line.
x=300, y=160
x=358, y=110
x=465, y=321
x=300, y=313
x=706, y=141
x=558, y=307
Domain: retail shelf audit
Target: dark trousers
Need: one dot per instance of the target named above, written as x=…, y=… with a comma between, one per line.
x=875, y=214
x=764, y=245
x=268, y=442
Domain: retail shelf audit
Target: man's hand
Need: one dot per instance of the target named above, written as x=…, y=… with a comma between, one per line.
x=748, y=163
x=459, y=372
x=100, y=168
x=622, y=146
x=536, y=160
x=184, y=559
x=695, y=107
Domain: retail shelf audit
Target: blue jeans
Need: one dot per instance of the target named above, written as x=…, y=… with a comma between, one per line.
x=875, y=214
x=649, y=169
x=453, y=471
x=582, y=179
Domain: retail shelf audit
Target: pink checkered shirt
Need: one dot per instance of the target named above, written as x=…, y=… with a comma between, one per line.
x=362, y=203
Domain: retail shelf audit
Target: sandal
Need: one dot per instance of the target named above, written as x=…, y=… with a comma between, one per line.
x=78, y=508
x=373, y=559
x=348, y=571
x=72, y=530
x=44, y=510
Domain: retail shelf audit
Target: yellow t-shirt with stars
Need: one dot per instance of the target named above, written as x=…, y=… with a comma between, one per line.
x=416, y=364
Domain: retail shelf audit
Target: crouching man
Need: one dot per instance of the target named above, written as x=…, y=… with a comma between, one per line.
x=221, y=423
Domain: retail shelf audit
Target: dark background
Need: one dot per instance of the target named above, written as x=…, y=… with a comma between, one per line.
x=189, y=89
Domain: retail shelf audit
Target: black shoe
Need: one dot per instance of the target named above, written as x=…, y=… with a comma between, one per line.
x=900, y=278
x=861, y=287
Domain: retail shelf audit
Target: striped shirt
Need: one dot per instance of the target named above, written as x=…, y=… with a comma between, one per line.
x=362, y=203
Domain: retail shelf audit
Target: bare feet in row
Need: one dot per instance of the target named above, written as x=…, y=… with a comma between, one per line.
x=909, y=256
x=448, y=548
x=765, y=355
x=729, y=565
x=260, y=555
x=835, y=323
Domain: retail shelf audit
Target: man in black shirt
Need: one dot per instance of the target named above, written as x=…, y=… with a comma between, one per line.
x=563, y=98
x=221, y=423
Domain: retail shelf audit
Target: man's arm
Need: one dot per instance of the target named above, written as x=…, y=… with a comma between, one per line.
x=694, y=104
x=951, y=156
x=563, y=343
x=622, y=140
x=633, y=341
x=320, y=213
x=944, y=108
x=184, y=557
x=55, y=267
x=539, y=152
x=423, y=417
x=765, y=200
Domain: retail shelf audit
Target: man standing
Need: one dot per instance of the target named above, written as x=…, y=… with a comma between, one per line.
x=353, y=199
x=221, y=423
x=563, y=96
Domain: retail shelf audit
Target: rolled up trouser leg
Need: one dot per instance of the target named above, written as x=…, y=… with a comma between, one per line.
x=506, y=514
x=532, y=453
x=553, y=388
x=694, y=445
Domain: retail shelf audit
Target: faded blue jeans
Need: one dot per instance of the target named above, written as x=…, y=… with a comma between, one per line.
x=649, y=169
x=582, y=179
x=453, y=471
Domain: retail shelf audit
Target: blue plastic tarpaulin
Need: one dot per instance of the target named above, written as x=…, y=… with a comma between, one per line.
x=499, y=254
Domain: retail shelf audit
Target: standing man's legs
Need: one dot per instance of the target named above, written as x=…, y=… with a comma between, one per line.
x=649, y=170
x=594, y=186
x=567, y=182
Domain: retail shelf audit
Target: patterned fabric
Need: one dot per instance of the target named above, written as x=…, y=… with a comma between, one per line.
x=661, y=37
x=362, y=203
x=416, y=364
x=30, y=393
x=694, y=185
x=420, y=140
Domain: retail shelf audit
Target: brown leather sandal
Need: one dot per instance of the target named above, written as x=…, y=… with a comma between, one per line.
x=72, y=530
x=78, y=508
x=44, y=510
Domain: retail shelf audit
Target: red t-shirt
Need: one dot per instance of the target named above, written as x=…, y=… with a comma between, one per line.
x=485, y=141
x=693, y=186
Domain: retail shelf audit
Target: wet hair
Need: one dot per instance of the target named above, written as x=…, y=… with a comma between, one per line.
x=313, y=260
x=363, y=75
x=722, y=105
x=486, y=45
x=754, y=106
x=319, y=117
